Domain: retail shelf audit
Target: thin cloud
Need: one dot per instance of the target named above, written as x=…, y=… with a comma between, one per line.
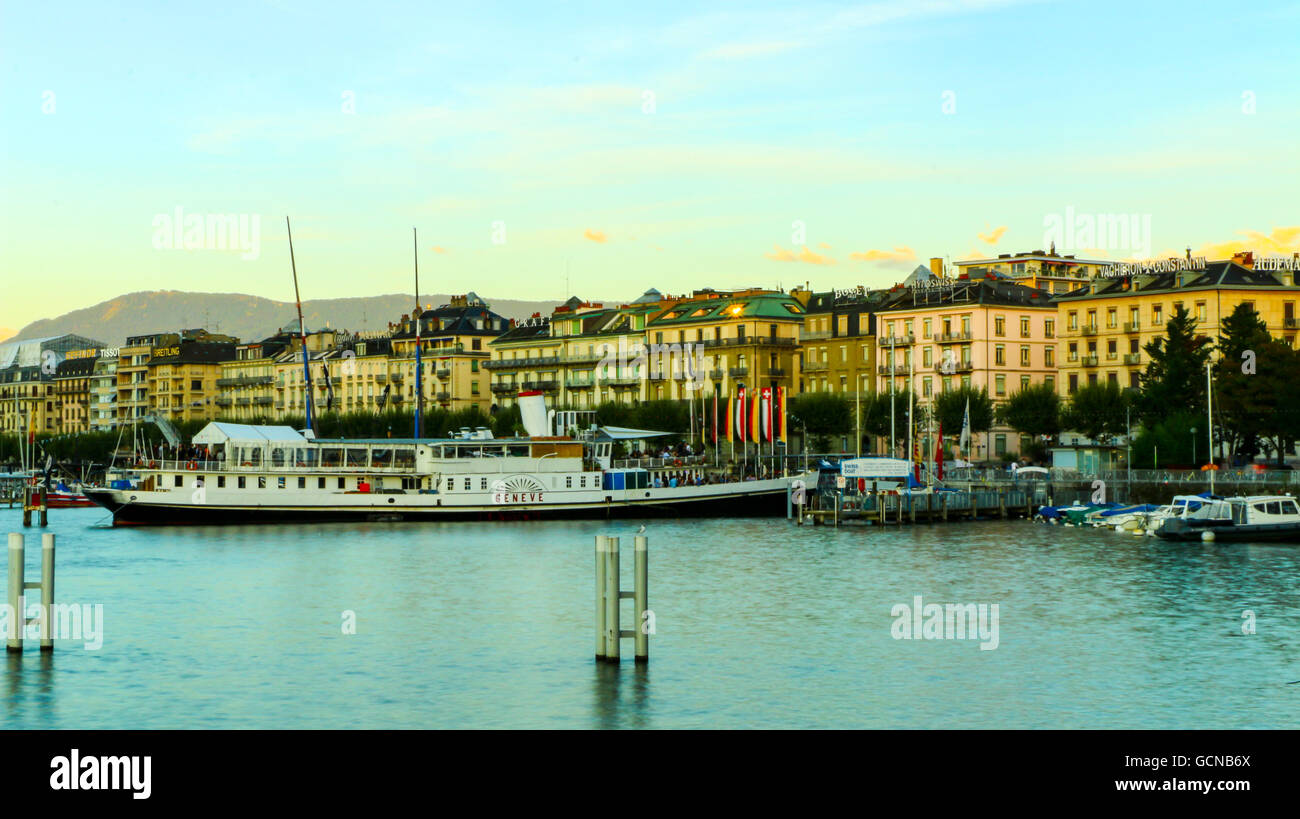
x=1280, y=241
x=595, y=235
x=899, y=255
x=741, y=51
x=992, y=237
x=780, y=254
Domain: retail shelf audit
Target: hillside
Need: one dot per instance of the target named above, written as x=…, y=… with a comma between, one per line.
x=248, y=317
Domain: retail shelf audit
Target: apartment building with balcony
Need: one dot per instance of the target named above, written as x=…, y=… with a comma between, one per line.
x=133, y=375
x=246, y=390
x=103, y=391
x=748, y=338
x=455, y=344
x=837, y=344
x=1105, y=327
x=980, y=332
x=28, y=396
x=182, y=375
x=1050, y=272
x=71, y=388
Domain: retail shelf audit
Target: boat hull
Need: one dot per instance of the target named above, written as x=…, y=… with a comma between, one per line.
x=1180, y=530
x=756, y=503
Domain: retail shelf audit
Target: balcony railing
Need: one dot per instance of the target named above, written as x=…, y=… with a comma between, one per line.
x=503, y=388
x=953, y=338
x=1089, y=360
x=897, y=341
x=1290, y=323
x=749, y=341
x=899, y=369
x=444, y=373
x=1133, y=358
x=1088, y=330
x=814, y=335
x=948, y=368
x=515, y=363
x=1132, y=326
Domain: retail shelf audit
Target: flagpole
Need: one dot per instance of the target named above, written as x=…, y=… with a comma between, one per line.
x=857, y=414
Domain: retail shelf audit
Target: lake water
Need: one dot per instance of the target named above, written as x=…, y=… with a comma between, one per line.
x=760, y=624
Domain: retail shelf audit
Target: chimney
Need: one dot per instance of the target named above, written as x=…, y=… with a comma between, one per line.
x=936, y=266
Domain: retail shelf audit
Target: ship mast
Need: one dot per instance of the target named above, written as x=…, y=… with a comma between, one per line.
x=419, y=388
x=302, y=328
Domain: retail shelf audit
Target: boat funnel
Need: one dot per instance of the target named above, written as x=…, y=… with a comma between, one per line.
x=532, y=411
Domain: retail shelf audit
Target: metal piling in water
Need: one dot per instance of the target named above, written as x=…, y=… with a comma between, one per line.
x=18, y=586
x=609, y=596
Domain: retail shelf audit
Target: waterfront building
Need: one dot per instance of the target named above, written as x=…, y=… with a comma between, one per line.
x=455, y=343
x=103, y=391
x=605, y=356
x=133, y=376
x=982, y=332
x=246, y=385
x=182, y=372
x=1049, y=272
x=1105, y=326
x=28, y=400
x=527, y=357
x=72, y=379
x=750, y=338
x=837, y=344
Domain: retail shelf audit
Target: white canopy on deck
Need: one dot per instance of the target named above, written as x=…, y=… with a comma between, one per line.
x=222, y=433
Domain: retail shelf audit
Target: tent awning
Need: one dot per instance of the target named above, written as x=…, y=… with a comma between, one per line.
x=629, y=434
x=219, y=432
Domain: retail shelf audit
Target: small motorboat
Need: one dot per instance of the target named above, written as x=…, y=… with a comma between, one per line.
x=1253, y=518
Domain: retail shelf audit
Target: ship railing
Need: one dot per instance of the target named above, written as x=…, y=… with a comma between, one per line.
x=199, y=466
x=660, y=463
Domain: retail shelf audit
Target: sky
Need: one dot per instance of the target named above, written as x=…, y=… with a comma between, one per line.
x=595, y=149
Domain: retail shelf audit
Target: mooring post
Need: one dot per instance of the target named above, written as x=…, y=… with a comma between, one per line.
x=641, y=597
x=789, y=501
x=601, y=547
x=18, y=616
x=27, y=505
x=943, y=506
x=45, y=516
x=612, y=597
x=911, y=508
x=974, y=503
x=1002, y=502
x=47, y=592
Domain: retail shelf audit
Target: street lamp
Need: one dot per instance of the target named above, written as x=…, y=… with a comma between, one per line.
x=1193, y=446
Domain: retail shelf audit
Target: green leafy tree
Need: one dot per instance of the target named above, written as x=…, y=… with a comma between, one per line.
x=1175, y=376
x=1098, y=411
x=1035, y=410
x=950, y=408
x=1255, y=386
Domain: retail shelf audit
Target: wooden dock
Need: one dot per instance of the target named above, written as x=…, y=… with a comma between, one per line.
x=890, y=509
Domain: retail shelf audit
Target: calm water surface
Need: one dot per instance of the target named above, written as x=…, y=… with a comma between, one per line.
x=760, y=624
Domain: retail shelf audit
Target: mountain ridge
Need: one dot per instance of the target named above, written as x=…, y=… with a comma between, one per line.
x=248, y=317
